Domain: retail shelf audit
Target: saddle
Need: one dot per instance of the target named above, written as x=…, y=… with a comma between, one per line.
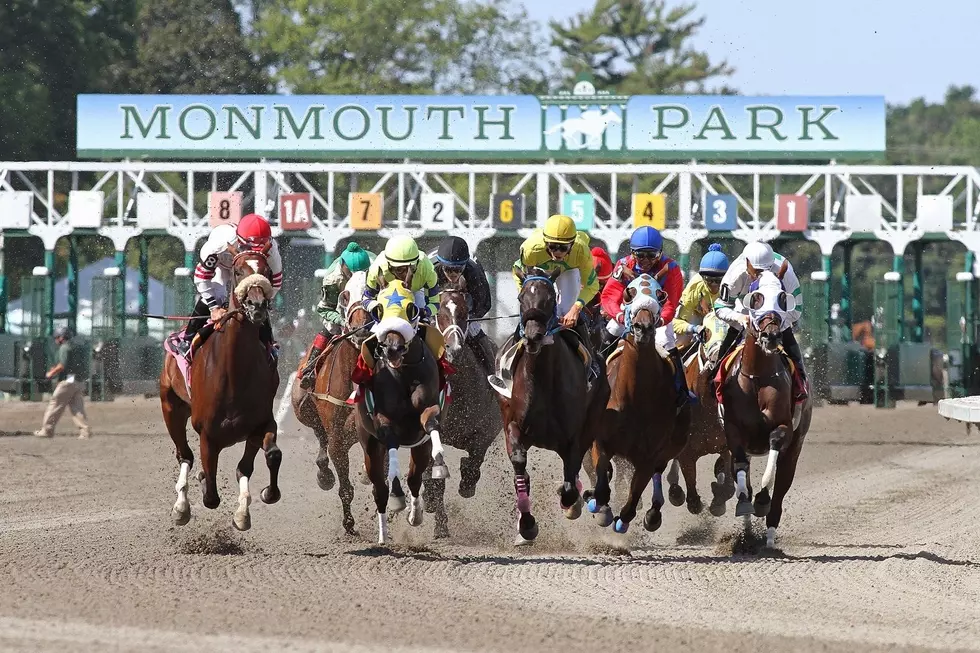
x=172, y=345
x=726, y=365
x=508, y=354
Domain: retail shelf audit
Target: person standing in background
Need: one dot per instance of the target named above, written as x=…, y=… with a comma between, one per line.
x=68, y=391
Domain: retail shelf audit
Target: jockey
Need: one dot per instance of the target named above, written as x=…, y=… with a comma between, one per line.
x=736, y=283
x=699, y=296
x=354, y=259
x=560, y=246
x=451, y=260
x=401, y=255
x=646, y=257
x=212, y=275
x=603, y=270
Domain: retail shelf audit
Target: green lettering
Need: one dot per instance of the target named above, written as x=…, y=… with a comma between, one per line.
x=234, y=112
x=807, y=123
x=661, y=111
x=482, y=122
x=212, y=119
x=716, y=114
x=384, y=123
x=364, y=116
x=312, y=112
x=130, y=111
x=756, y=125
x=445, y=118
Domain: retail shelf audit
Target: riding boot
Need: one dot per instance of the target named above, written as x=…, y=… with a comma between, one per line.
x=200, y=311
x=582, y=329
x=792, y=348
x=726, y=346
x=481, y=346
x=308, y=374
x=684, y=394
x=265, y=335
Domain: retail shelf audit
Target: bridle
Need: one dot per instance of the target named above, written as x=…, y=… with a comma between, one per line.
x=552, y=326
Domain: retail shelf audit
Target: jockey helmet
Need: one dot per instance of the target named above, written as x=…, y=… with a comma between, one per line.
x=453, y=252
x=603, y=264
x=222, y=235
x=559, y=229
x=62, y=333
x=646, y=239
x=254, y=232
x=759, y=255
x=355, y=258
x=714, y=263
x=401, y=251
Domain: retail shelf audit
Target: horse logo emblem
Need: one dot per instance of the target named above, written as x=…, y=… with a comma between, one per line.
x=592, y=124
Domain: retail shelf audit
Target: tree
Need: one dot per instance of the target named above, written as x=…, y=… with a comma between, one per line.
x=636, y=47
x=942, y=134
x=412, y=46
x=194, y=46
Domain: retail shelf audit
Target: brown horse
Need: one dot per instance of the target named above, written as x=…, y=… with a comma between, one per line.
x=706, y=436
x=325, y=408
x=757, y=402
x=641, y=422
x=474, y=421
x=401, y=408
x=550, y=405
x=234, y=385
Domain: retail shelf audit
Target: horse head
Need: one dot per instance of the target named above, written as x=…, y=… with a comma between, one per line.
x=538, y=302
x=253, y=285
x=769, y=307
x=357, y=319
x=396, y=328
x=453, y=316
x=642, y=300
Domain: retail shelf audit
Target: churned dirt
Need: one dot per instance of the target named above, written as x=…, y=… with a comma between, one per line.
x=879, y=551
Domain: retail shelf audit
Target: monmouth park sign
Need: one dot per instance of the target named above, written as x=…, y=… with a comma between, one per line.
x=584, y=124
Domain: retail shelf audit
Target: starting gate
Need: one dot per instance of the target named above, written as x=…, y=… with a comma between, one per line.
x=962, y=326
x=33, y=355
x=107, y=334
x=179, y=299
x=887, y=324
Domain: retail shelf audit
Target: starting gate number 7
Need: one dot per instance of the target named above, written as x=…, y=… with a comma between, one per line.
x=366, y=210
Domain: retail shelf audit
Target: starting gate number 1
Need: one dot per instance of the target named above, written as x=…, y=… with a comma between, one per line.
x=792, y=212
x=365, y=211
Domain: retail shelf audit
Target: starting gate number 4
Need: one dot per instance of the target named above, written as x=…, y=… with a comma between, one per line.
x=649, y=210
x=365, y=211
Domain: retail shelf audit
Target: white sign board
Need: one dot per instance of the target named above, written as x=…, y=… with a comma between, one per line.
x=85, y=208
x=154, y=210
x=438, y=211
x=863, y=212
x=16, y=207
x=934, y=212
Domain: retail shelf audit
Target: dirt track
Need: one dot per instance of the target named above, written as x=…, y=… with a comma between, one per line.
x=880, y=548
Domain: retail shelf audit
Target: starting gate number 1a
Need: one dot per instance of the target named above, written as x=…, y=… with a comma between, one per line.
x=792, y=212
x=365, y=211
x=649, y=210
x=224, y=208
x=295, y=211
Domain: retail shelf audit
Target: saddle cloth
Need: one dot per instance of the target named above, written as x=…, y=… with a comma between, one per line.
x=171, y=345
x=507, y=357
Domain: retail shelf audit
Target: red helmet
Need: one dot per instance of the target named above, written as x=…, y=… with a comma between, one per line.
x=254, y=232
x=603, y=264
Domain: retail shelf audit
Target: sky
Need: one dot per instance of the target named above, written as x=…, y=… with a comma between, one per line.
x=902, y=49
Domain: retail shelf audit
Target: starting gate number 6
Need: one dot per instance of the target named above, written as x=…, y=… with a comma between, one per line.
x=507, y=211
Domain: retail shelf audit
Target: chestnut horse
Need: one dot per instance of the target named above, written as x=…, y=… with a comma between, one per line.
x=757, y=402
x=551, y=405
x=474, y=421
x=325, y=408
x=641, y=422
x=233, y=386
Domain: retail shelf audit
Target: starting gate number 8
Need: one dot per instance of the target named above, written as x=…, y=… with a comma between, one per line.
x=224, y=210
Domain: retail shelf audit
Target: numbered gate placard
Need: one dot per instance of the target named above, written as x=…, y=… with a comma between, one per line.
x=508, y=211
x=295, y=211
x=16, y=207
x=792, y=212
x=154, y=210
x=580, y=207
x=85, y=208
x=438, y=211
x=721, y=212
x=365, y=211
x=224, y=208
x=649, y=210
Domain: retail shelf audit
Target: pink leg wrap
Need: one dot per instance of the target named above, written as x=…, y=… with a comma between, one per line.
x=523, y=496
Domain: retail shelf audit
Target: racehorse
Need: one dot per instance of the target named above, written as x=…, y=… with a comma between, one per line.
x=758, y=411
x=234, y=384
x=474, y=421
x=401, y=408
x=706, y=436
x=550, y=405
x=332, y=418
x=641, y=422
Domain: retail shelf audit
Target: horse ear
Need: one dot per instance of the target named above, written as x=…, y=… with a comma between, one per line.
x=344, y=298
x=521, y=273
x=554, y=274
x=628, y=295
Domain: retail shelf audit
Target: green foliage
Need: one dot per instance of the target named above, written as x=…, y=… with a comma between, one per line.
x=941, y=134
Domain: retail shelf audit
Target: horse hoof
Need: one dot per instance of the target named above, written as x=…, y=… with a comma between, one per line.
x=695, y=505
x=467, y=490
x=722, y=492
x=440, y=472
x=717, y=509
x=574, y=511
x=744, y=508
x=414, y=517
x=181, y=517
x=676, y=495
x=587, y=496
x=396, y=504
x=242, y=522
x=620, y=526
x=760, y=509
x=770, y=538
x=325, y=478
x=592, y=505
x=526, y=536
x=349, y=527
x=604, y=517
x=652, y=520
x=268, y=495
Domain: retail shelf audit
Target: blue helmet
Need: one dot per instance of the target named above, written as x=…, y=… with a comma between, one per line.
x=646, y=239
x=714, y=263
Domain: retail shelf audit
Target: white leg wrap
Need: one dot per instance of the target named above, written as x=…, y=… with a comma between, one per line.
x=382, y=528
x=770, y=537
x=393, y=471
x=769, y=477
x=181, y=486
x=244, y=498
x=741, y=484
x=437, y=449
x=720, y=478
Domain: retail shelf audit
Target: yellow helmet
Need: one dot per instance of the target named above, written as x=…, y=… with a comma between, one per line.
x=559, y=229
x=401, y=251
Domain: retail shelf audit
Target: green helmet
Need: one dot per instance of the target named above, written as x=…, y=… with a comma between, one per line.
x=401, y=251
x=355, y=258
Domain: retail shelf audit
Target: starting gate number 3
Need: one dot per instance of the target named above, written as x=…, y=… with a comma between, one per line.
x=365, y=211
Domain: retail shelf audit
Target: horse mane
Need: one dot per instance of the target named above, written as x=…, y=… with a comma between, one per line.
x=253, y=280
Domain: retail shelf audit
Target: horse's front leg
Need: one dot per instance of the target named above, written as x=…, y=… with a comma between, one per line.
x=570, y=492
x=417, y=464
x=642, y=473
x=675, y=492
x=209, y=472
x=527, y=527
x=723, y=487
x=784, y=480
x=743, y=492
x=470, y=464
x=340, y=442
x=778, y=439
x=374, y=452
x=430, y=422
x=273, y=459
x=386, y=433
x=689, y=468
x=598, y=500
x=243, y=519
x=324, y=475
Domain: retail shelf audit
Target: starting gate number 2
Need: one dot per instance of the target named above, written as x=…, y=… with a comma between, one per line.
x=365, y=211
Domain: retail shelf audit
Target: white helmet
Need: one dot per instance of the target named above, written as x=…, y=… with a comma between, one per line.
x=223, y=234
x=759, y=255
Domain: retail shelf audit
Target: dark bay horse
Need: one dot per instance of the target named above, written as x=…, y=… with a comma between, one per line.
x=332, y=417
x=401, y=408
x=641, y=422
x=758, y=409
x=233, y=386
x=550, y=406
x=474, y=421
x=706, y=435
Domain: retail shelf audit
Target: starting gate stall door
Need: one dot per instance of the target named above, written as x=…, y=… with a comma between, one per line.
x=815, y=333
x=33, y=355
x=106, y=336
x=886, y=323
x=961, y=336
x=179, y=300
